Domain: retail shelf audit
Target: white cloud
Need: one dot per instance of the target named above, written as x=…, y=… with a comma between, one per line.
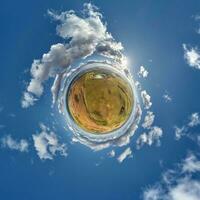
x=153, y=136
x=185, y=131
x=84, y=36
x=180, y=185
x=148, y=120
x=56, y=86
x=47, y=145
x=192, y=56
x=35, y=87
x=180, y=132
x=146, y=99
x=111, y=153
x=186, y=189
x=138, y=85
x=153, y=193
x=191, y=164
x=167, y=98
x=143, y=72
x=10, y=143
x=194, y=120
x=126, y=153
x=27, y=100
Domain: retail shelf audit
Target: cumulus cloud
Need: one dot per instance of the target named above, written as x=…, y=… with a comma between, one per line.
x=84, y=35
x=47, y=144
x=148, y=120
x=194, y=119
x=153, y=136
x=143, y=72
x=10, y=143
x=27, y=100
x=192, y=56
x=126, y=153
x=146, y=99
x=178, y=184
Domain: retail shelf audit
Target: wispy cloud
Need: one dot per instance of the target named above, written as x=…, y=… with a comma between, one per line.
x=10, y=143
x=177, y=184
x=180, y=132
x=191, y=164
x=12, y=115
x=197, y=18
x=186, y=129
x=126, y=153
x=47, y=144
x=167, y=98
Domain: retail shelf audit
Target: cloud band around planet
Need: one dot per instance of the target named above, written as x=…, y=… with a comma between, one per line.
x=116, y=136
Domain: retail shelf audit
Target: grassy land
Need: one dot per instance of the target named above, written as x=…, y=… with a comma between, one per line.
x=100, y=102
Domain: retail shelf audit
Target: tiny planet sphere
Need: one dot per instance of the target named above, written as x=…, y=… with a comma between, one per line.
x=100, y=101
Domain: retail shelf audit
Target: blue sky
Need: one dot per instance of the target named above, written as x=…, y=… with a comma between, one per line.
x=152, y=34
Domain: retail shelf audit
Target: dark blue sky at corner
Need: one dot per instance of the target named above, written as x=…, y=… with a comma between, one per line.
x=152, y=33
